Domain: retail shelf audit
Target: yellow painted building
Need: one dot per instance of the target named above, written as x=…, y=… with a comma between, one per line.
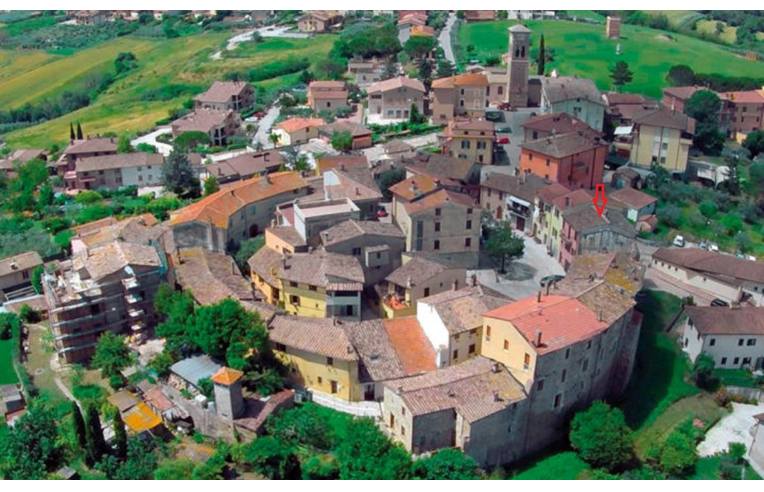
x=302, y=299
x=504, y=343
x=662, y=137
x=319, y=354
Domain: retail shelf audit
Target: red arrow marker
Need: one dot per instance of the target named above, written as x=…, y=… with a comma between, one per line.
x=599, y=200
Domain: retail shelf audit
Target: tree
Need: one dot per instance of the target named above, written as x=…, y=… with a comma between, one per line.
x=211, y=185
x=503, y=245
x=388, y=178
x=320, y=467
x=444, y=68
x=391, y=69
x=30, y=448
x=71, y=132
x=446, y=464
x=79, y=426
x=79, y=131
x=342, y=141
x=620, y=74
x=178, y=176
x=120, y=436
x=415, y=117
x=601, y=437
x=141, y=461
x=190, y=140
x=678, y=453
x=96, y=446
x=123, y=144
x=274, y=138
x=180, y=469
x=306, y=425
x=704, y=106
x=754, y=143
x=703, y=372
x=111, y=354
x=125, y=62
x=272, y=458
x=541, y=61
x=419, y=46
x=37, y=279
x=680, y=75
x=425, y=71
x=367, y=454
x=732, y=223
x=708, y=208
x=247, y=248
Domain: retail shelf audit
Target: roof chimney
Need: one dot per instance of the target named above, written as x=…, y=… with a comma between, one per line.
x=538, y=338
x=496, y=396
x=538, y=298
x=495, y=367
x=600, y=315
x=567, y=201
x=473, y=280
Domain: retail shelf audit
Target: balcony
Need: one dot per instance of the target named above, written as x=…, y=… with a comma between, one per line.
x=133, y=299
x=135, y=313
x=395, y=307
x=130, y=283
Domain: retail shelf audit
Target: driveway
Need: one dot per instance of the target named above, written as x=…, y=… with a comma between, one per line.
x=151, y=139
x=523, y=275
x=264, y=127
x=735, y=427
x=444, y=38
x=422, y=140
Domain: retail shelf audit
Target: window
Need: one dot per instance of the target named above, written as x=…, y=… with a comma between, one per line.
x=294, y=300
x=471, y=349
x=330, y=361
x=751, y=342
x=437, y=227
x=320, y=380
x=740, y=342
x=436, y=245
x=456, y=355
x=585, y=365
x=506, y=344
x=292, y=284
x=557, y=400
x=711, y=342
x=736, y=361
x=403, y=431
x=468, y=225
x=437, y=212
x=567, y=353
x=487, y=332
x=724, y=361
x=312, y=287
x=526, y=361
x=467, y=242
x=426, y=291
x=564, y=375
x=588, y=345
x=469, y=211
x=281, y=347
x=356, y=251
x=540, y=385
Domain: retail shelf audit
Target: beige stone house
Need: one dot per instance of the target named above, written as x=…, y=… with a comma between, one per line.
x=459, y=95
x=660, y=136
x=392, y=99
x=16, y=273
x=318, y=21
x=115, y=171
x=733, y=337
x=469, y=139
x=220, y=126
x=225, y=95
x=327, y=95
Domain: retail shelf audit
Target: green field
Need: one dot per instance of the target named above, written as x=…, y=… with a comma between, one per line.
x=122, y=108
x=561, y=466
x=581, y=49
x=7, y=374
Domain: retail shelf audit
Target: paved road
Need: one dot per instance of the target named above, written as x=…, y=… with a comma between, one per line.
x=444, y=38
x=734, y=427
x=151, y=139
x=264, y=127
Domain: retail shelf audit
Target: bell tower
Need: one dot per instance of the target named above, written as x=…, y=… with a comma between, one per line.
x=517, y=66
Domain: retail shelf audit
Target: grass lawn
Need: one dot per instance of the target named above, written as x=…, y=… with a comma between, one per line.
x=586, y=14
x=7, y=374
x=123, y=108
x=707, y=468
x=581, y=49
x=561, y=466
x=736, y=377
x=38, y=362
x=660, y=369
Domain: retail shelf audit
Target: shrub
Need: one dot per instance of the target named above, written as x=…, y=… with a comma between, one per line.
x=601, y=437
x=703, y=373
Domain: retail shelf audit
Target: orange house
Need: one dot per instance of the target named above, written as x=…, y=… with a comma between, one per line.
x=575, y=160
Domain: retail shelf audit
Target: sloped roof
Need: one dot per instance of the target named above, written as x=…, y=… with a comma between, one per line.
x=247, y=164
x=552, y=191
x=726, y=267
x=265, y=262
x=201, y=120
x=396, y=83
x=91, y=145
x=584, y=218
x=473, y=389
x=633, y=198
x=561, y=321
x=226, y=376
x=342, y=162
x=438, y=199
x=118, y=161
x=352, y=228
x=222, y=91
x=417, y=269
x=112, y=257
x=415, y=186
x=19, y=262
x=321, y=268
x=315, y=335
x=560, y=123
x=411, y=344
x=462, y=310
x=682, y=92
x=665, y=118
x=294, y=124
x=461, y=80
x=443, y=167
x=218, y=207
x=558, y=89
x=524, y=187
x=355, y=183
x=379, y=358
x=564, y=145
x=572, y=199
x=192, y=369
x=211, y=276
x=716, y=320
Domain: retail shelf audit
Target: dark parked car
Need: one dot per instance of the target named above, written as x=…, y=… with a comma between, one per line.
x=720, y=303
x=549, y=279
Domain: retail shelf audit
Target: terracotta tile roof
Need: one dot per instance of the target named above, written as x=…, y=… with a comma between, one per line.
x=356, y=183
x=379, y=359
x=110, y=258
x=355, y=129
x=395, y=83
x=289, y=234
x=558, y=122
x=559, y=89
x=411, y=344
x=715, y=320
x=218, y=207
x=572, y=199
x=201, y=120
x=226, y=376
x=350, y=229
x=564, y=145
x=619, y=98
x=397, y=147
x=295, y=124
x=462, y=310
x=222, y=91
x=22, y=261
x=726, y=267
x=314, y=335
x=211, y=277
x=424, y=31
x=327, y=84
x=461, y=80
x=473, y=389
x=246, y=165
x=561, y=320
x=479, y=15
x=584, y=218
x=21, y=156
x=524, y=187
x=119, y=161
x=141, y=229
x=665, y=118
x=413, y=187
x=265, y=262
x=549, y=193
x=633, y=198
x=91, y=145
x=323, y=269
x=684, y=92
x=412, y=18
x=461, y=125
x=743, y=97
x=438, y=199
x=342, y=162
x=417, y=269
x=158, y=400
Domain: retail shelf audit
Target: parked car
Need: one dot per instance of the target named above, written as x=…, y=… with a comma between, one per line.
x=719, y=303
x=550, y=279
x=713, y=247
x=505, y=106
x=678, y=241
x=381, y=213
x=502, y=140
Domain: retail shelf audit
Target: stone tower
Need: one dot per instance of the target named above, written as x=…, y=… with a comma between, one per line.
x=228, y=397
x=613, y=27
x=517, y=66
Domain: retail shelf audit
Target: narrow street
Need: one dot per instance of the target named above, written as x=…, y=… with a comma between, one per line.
x=444, y=38
x=264, y=127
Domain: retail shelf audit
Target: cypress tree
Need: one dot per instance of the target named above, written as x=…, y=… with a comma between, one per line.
x=79, y=131
x=96, y=444
x=120, y=436
x=79, y=426
x=71, y=131
x=542, y=56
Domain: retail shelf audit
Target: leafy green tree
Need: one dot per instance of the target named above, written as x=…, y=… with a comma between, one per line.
x=177, y=309
x=703, y=372
x=211, y=185
x=541, y=61
x=732, y=223
x=37, y=279
x=274, y=138
x=415, y=117
x=71, y=132
x=680, y=75
x=96, y=447
x=79, y=426
x=424, y=69
x=9, y=324
x=754, y=143
x=447, y=464
x=88, y=197
x=342, y=141
x=388, y=178
x=30, y=449
x=367, y=454
x=216, y=327
x=247, y=248
x=272, y=458
x=46, y=196
x=620, y=74
x=320, y=467
x=212, y=469
x=125, y=62
x=123, y=144
x=120, y=436
x=306, y=425
x=503, y=245
x=178, y=176
x=111, y=354
x=708, y=208
x=190, y=140
x=678, y=454
x=141, y=461
x=179, y=469
x=601, y=437
x=704, y=106
x=146, y=147
x=444, y=68
x=419, y=46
